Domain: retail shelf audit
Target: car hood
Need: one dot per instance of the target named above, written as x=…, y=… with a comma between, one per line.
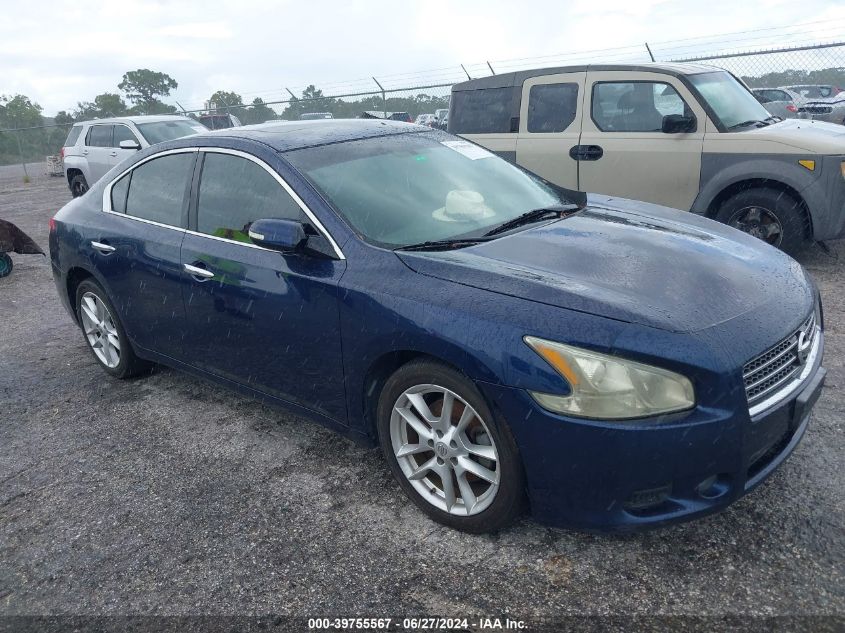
x=812, y=136
x=633, y=262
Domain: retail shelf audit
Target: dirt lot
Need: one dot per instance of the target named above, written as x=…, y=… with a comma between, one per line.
x=166, y=495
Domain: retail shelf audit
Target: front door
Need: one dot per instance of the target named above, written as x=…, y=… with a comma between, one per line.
x=258, y=317
x=550, y=126
x=624, y=151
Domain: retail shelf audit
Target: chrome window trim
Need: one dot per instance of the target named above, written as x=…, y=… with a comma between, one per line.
x=791, y=387
x=107, y=206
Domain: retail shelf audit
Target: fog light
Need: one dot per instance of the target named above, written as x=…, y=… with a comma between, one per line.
x=705, y=488
x=643, y=499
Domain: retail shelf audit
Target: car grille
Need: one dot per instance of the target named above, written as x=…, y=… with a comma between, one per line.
x=774, y=368
x=816, y=109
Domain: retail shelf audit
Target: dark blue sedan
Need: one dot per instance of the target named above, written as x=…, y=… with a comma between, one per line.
x=610, y=364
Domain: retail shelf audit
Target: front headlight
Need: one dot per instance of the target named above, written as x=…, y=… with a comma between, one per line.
x=610, y=388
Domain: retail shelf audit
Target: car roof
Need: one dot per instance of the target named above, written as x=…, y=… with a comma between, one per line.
x=289, y=135
x=518, y=77
x=141, y=118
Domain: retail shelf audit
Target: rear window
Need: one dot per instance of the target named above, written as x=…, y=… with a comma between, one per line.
x=157, y=188
x=99, y=136
x=552, y=107
x=481, y=111
x=73, y=136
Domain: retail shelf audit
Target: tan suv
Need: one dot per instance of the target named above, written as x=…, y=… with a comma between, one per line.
x=680, y=135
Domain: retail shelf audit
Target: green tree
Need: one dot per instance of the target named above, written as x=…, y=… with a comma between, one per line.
x=63, y=118
x=143, y=87
x=20, y=111
x=312, y=100
x=258, y=112
x=108, y=104
x=224, y=99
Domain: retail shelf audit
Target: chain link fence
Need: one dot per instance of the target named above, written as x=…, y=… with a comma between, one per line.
x=29, y=148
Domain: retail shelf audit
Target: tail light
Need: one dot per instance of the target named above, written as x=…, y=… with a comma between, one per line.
x=791, y=108
x=52, y=224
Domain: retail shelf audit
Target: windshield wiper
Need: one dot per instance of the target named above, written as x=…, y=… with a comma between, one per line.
x=442, y=245
x=535, y=215
x=747, y=123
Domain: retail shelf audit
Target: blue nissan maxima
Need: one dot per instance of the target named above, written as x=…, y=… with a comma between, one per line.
x=610, y=364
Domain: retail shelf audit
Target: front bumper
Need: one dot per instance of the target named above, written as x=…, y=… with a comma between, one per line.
x=601, y=476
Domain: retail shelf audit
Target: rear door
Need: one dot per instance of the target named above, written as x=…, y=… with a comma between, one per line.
x=262, y=318
x=550, y=126
x=136, y=249
x=629, y=155
x=97, y=150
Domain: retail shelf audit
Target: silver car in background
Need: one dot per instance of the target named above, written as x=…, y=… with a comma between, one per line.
x=831, y=110
x=780, y=102
x=93, y=147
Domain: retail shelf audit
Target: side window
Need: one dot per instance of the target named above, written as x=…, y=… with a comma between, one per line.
x=637, y=106
x=552, y=107
x=234, y=192
x=780, y=95
x=118, y=194
x=485, y=111
x=157, y=188
x=73, y=135
x=122, y=133
x=99, y=136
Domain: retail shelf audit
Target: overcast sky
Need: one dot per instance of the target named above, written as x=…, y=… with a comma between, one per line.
x=59, y=53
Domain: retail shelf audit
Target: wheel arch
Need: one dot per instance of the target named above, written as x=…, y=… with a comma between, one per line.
x=75, y=276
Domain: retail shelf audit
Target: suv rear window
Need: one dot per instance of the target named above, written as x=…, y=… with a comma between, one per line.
x=73, y=135
x=161, y=131
x=552, y=107
x=481, y=111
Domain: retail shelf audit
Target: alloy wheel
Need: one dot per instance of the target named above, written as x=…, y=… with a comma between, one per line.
x=760, y=223
x=445, y=449
x=100, y=330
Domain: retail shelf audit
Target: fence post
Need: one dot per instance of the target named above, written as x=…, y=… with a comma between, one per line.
x=491, y=68
x=465, y=71
x=648, y=48
x=383, y=97
x=20, y=151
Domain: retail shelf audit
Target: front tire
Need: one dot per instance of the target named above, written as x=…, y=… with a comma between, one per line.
x=104, y=333
x=454, y=459
x=769, y=214
x=78, y=185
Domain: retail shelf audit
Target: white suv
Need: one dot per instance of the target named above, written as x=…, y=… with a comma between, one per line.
x=93, y=147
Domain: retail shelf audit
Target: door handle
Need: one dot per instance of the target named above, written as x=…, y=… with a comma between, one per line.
x=104, y=249
x=200, y=274
x=85, y=152
x=586, y=152
x=113, y=154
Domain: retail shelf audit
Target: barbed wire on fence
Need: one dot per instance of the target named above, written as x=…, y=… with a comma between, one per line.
x=818, y=62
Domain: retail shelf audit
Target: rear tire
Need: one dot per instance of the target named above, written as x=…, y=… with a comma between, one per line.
x=769, y=214
x=78, y=185
x=463, y=469
x=104, y=334
x=6, y=265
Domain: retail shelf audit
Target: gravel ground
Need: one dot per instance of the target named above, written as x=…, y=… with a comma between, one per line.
x=168, y=496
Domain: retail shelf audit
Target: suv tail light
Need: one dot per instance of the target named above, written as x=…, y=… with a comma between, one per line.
x=791, y=108
x=52, y=224
x=62, y=153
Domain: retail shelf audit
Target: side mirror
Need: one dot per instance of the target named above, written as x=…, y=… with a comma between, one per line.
x=279, y=235
x=678, y=124
x=128, y=144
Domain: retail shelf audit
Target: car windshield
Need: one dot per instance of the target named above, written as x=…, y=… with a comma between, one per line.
x=413, y=188
x=161, y=131
x=730, y=102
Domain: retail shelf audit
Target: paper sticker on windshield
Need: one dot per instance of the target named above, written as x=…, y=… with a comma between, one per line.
x=470, y=150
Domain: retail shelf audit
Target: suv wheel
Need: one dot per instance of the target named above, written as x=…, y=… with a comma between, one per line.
x=104, y=333
x=769, y=214
x=78, y=185
x=450, y=455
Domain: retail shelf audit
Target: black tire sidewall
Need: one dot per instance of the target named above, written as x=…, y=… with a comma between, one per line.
x=79, y=178
x=6, y=265
x=128, y=362
x=510, y=497
x=786, y=208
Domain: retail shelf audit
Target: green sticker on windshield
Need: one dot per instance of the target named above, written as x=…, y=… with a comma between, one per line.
x=420, y=157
